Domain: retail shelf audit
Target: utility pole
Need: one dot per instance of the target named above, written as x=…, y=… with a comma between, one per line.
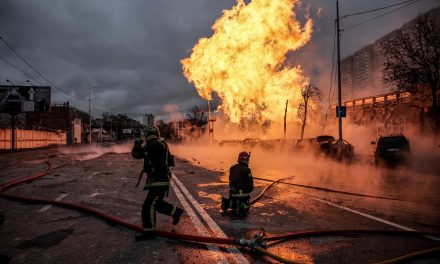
x=13, y=130
x=90, y=116
x=13, y=115
x=111, y=125
x=339, y=73
x=210, y=124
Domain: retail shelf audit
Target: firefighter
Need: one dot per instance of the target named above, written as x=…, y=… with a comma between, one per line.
x=157, y=159
x=240, y=186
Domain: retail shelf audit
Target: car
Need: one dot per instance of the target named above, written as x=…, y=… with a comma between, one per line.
x=341, y=151
x=325, y=143
x=327, y=146
x=392, y=150
x=306, y=144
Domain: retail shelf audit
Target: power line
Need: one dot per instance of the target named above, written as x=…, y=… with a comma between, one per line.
x=25, y=61
x=44, y=77
x=381, y=15
x=20, y=70
x=79, y=101
x=34, y=69
x=376, y=9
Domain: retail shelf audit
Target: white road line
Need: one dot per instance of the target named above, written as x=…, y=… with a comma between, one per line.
x=201, y=229
x=236, y=254
x=47, y=207
x=93, y=174
x=372, y=217
x=93, y=195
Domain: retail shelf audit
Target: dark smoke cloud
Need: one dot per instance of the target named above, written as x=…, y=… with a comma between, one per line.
x=132, y=49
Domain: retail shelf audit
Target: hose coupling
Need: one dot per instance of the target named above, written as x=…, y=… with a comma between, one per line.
x=259, y=240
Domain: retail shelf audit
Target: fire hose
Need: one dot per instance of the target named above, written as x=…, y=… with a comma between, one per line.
x=259, y=196
x=327, y=189
x=257, y=243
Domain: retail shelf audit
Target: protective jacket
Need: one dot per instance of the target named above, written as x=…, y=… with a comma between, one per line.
x=157, y=159
x=240, y=180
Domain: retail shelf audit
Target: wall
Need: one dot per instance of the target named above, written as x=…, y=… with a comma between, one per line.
x=390, y=113
x=31, y=138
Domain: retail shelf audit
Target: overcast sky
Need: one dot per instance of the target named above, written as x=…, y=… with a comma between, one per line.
x=132, y=49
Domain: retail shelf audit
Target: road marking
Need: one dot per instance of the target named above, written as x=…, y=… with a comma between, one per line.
x=372, y=217
x=236, y=254
x=47, y=207
x=201, y=229
x=93, y=195
x=93, y=174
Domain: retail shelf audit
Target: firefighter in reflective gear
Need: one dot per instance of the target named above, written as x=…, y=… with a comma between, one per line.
x=240, y=186
x=157, y=159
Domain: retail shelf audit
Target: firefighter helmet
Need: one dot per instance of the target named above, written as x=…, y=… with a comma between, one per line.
x=243, y=157
x=152, y=131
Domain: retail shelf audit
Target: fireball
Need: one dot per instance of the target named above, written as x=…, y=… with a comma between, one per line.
x=243, y=62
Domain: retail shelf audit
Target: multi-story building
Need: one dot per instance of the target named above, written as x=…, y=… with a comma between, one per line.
x=371, y=102
x=63, y=118
x=148, y=120
x=361, y=72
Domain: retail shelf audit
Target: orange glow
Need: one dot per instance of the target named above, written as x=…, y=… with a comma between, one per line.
x=243, y=61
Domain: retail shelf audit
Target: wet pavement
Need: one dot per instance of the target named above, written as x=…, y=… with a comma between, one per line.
x=104, y=178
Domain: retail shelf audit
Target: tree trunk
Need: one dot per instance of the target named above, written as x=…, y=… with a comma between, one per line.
x=285, y=116
x=304, y=119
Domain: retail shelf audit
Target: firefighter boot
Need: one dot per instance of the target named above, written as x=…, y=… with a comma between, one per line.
x=225, y=204
x=177, y=215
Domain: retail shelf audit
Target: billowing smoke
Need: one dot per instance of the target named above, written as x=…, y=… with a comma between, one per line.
x=276, y=160
x=88, y=152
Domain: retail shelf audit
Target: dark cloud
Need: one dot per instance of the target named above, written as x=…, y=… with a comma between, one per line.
x=315, y=58
x=132, y=49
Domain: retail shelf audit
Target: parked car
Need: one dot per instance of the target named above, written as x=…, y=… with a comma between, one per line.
x=393, y=150
x=306, y=144
x=325, y=143
x=328, y=146
x=341, y=151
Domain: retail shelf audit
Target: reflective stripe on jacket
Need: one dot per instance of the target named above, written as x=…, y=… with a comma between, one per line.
x=155, y=184
x=240, y=194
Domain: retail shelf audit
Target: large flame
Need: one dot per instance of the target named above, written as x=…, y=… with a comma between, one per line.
x=243, y=61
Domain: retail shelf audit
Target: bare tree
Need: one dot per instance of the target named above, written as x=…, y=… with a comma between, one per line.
x=105, y=115
x=310, y=95
x=412, y=61
x=196, y=116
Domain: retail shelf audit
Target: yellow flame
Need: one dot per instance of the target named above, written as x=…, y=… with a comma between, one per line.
x=243, y=61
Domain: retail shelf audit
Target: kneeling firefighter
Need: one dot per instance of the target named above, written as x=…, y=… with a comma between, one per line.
x=240, y=186
x=157, y=159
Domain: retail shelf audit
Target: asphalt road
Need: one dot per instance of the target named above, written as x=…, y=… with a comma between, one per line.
x=104, y=178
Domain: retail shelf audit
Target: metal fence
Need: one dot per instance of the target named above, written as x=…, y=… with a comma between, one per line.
x=25, y=139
